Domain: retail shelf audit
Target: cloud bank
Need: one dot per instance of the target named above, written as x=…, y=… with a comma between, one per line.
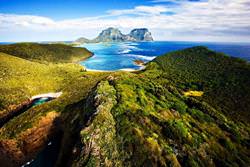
x=211, y=20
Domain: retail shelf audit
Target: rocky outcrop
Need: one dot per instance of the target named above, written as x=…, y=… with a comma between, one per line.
x=110, y=35
x=14, y=110
x=99, y=147
x=114, y=35
x=141, y=34
x=17, y=151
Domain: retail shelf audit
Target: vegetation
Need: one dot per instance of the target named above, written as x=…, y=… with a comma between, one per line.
x=187, y=108
x=158, y=125
x=223, y=79
x=19, y=80
x=57, y=53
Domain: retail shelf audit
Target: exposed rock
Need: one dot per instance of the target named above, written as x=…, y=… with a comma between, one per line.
x=15, y=152
x=110, y=35
x=114, y=35
x=99, y=142
x=139, y=62
x=141, y=34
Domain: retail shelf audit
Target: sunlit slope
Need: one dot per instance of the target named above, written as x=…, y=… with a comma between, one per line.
x=224, y=80
x=58, y=53
x=148, y=118
x=25, y=135
x=20, y=78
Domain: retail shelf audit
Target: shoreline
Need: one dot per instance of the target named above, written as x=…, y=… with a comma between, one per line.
x=122, y=69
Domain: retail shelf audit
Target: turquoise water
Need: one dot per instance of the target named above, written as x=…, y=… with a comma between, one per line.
x=116, y=56
x=41, y=101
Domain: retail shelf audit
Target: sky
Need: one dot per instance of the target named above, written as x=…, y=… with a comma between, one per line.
x=168, y=20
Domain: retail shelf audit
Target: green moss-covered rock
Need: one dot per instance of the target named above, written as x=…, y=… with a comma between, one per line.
x=99, y=138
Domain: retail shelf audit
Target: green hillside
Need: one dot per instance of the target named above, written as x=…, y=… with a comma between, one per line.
x=224, y=80
x=22, y=137
x=187, y=108
x=144, y=119
x=46, y=52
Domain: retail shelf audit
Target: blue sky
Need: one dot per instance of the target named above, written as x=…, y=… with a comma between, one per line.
x=183, y=20
x=65, y=9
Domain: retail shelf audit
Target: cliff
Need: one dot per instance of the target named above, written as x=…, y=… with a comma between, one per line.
x=115, y=35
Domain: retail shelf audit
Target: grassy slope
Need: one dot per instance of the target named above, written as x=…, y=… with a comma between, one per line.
x=20, y=79
x=224, y=80
x=58, y=53
x=151, y=121
x=156, y=125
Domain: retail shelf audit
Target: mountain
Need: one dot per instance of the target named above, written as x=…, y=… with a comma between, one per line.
x=115, y=35
x=141, y=34
x=186, y=108
x=110, y=35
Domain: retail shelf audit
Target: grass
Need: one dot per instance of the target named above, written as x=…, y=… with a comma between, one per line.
x=158, y=125
x=193, y=93
x=223, y=79
x=142, y=118
x=20, y=79
x=46, y=53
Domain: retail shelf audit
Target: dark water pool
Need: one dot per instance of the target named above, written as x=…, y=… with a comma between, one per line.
x=48, y=156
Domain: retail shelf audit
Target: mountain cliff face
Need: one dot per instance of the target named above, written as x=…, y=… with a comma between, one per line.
x=115, y=35
x=141, y=34
x=110, y=35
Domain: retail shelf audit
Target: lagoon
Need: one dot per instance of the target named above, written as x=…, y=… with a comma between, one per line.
x=118, y=56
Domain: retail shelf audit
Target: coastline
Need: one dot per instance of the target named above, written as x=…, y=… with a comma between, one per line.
x=123, y=69
x=91, y=54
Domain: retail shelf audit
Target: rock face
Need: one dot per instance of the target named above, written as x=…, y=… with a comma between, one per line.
x=115, y=35
x=141, y=34
x=110, y=35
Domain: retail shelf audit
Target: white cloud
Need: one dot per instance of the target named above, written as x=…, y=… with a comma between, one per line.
x=141, y=10
x=224, y=20
x=24, y=20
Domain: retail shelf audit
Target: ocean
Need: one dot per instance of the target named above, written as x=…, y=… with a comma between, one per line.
x=117, y=56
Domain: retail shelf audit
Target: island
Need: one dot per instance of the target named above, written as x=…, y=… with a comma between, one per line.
x=114, y=35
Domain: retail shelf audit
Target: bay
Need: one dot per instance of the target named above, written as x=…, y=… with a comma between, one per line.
x=117, y=56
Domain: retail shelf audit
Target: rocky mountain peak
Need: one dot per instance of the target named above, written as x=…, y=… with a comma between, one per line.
x=110, y=35
x=141, y=34
x=115, y=35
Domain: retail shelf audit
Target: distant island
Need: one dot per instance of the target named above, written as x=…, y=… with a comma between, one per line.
x=114, y=35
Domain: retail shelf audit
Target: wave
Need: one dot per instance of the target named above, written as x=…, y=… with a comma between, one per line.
x=125, y=51
x=148, y=58
x=131, y=46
